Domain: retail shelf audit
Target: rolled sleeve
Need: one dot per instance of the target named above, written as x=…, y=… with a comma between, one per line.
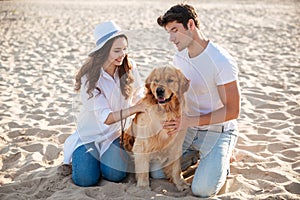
x=101, y=108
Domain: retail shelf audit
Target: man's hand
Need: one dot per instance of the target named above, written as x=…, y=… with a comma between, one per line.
x=180, y=123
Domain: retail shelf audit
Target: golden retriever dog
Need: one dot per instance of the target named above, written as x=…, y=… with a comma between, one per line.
x=147, y=139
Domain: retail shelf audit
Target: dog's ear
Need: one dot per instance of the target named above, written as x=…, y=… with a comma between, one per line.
x=149, y=80
x=184, y=83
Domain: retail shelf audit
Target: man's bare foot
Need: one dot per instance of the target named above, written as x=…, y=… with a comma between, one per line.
x=233, y=157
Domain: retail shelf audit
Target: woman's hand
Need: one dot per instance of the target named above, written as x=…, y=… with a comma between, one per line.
x=140, y=107
x=116, y=116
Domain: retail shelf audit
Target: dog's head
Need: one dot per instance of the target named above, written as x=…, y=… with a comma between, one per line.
x=165, y=83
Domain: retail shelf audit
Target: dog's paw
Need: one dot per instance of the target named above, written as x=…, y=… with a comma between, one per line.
x=182, y=185
x=144, y=186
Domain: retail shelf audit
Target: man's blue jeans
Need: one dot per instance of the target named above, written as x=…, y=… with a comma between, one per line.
x=215, y=150
x=87, y=169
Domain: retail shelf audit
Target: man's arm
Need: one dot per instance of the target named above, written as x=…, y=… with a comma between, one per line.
x=230, y=97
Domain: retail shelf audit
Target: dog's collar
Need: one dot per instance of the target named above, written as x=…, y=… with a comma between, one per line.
x=166, y=100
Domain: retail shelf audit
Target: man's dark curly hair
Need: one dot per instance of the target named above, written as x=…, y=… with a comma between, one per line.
x=181, y=13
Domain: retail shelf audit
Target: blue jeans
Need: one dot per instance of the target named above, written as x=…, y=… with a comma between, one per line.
x=87, y=169
x=215, y=150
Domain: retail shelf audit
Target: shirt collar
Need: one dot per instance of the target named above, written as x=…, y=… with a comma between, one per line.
x=105, y=75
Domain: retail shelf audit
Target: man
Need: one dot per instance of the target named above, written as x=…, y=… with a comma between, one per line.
x=213, y=99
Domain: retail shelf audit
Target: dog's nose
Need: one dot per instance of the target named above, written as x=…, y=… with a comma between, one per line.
x=160, y=92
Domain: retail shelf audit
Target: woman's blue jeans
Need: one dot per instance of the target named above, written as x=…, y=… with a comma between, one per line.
x=88, y=168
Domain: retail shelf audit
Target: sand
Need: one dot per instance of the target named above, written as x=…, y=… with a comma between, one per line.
x=43, y=43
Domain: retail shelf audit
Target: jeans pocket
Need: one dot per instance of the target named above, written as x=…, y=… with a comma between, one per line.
x=189, y=139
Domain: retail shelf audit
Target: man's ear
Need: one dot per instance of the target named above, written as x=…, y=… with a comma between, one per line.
x=191, y=24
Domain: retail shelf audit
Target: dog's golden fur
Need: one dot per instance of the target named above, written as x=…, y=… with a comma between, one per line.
x=146, y=137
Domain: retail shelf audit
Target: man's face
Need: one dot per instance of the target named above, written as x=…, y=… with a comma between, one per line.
x=180, y=36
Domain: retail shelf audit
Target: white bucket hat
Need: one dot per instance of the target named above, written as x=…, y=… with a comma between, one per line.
x=104, y=32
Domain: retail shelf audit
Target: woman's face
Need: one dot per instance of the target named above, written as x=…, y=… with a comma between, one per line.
x=117, y=51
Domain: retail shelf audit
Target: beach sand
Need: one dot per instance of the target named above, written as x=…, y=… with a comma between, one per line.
x=43, y=44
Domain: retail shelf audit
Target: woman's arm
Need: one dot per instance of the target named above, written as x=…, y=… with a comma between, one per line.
x=116, y=116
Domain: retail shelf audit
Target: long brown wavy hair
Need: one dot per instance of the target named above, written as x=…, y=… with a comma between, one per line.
x=92, y=67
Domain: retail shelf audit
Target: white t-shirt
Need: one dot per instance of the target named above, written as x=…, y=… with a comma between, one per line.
x=94, y=112
x=213, y=67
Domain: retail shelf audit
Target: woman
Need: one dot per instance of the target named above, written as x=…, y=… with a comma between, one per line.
x=109, y=85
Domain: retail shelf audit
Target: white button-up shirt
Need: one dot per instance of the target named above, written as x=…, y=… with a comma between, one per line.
x=94, y=112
